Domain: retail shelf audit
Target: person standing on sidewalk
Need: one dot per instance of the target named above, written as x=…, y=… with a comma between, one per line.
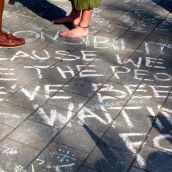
x=7, y=39
x=80, y=17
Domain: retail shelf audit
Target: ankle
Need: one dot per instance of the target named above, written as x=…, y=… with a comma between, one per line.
x=83, y=26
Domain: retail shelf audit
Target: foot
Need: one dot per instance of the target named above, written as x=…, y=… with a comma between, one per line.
x=9, y=40
x=73, y=18
x=76, y=33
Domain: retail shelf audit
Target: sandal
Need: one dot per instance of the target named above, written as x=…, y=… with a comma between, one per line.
x=8, y=40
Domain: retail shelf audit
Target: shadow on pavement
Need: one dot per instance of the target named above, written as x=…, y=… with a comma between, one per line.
x=163, y=154
x=167, y=4
x=43, y=8
x=109, y=159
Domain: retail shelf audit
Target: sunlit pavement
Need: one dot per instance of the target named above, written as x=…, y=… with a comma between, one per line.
x=96, y=104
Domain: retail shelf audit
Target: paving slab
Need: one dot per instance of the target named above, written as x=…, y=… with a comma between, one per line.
x=4, y=131
x=33, y=134
x=152, y=157
x=160, y=139
x=52, y=116
x=100, y=103
x=87, y=138
x=67, y=100
x=136, y=170
x=104, y=158
x=86, y=169
x=82, y=87
x=14, y=155
x=58, y=157
x=12, y=115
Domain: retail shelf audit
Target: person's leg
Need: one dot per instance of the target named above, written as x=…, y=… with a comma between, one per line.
x=8, y=40
x=83, y=27
x=12, y=2
x=72, y=18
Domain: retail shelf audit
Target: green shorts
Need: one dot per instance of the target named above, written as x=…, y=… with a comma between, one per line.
x=85, y=4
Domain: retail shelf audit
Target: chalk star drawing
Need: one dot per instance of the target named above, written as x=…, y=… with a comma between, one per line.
x=65, y=159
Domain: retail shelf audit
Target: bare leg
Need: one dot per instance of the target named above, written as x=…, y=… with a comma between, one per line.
x=73, y=18
x=82, y=29
x=12, y=2
x=8, y=40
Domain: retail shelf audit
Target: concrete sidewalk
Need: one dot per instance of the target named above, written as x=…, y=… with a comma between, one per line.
x=96, y=104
